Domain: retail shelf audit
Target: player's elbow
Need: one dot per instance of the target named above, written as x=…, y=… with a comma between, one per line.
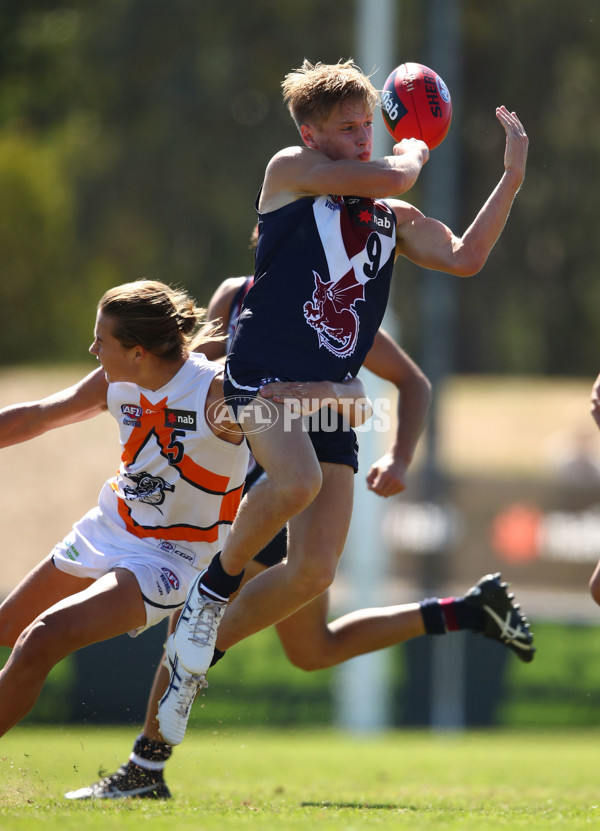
x=386, y=181
x=468, y=268
x=424, y=384
x=425, y=392
x=595, y=587
x=404, y=179
x=466, y=258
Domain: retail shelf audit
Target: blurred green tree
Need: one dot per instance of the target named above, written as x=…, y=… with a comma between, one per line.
x=134, y=134
x=535, y=308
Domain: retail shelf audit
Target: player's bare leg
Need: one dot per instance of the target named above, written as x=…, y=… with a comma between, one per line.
x=44, y=586
x=109, y=607
x=315, y=543
x=293, y=481
x=141, y=776
x=312, y=643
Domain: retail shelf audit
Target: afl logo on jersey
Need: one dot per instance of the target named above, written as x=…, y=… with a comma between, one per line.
x=170, y=579
x=132, y=414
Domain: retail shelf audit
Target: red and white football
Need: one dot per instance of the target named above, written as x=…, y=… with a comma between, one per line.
x=416, y=103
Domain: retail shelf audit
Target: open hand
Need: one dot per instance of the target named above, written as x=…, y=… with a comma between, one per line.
x=517, y=142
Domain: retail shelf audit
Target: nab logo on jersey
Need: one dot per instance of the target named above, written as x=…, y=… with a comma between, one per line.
x=376, y=217
x=180, y=419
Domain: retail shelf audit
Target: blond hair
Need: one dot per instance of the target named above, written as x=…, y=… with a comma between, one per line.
x=312, y=91
x=156, y=316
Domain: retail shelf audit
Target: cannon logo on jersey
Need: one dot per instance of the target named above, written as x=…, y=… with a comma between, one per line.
x=180, y=419
x=147, y=488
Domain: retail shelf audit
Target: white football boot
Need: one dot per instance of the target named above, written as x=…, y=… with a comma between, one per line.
x=195, y=635
x=175, y=705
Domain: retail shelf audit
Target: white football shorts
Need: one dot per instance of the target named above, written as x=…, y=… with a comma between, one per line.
x=163, y=569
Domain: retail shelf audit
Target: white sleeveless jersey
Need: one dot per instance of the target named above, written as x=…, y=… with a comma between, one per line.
x=178, y=484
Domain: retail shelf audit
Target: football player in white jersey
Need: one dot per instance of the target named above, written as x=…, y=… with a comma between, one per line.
x=310, y=639
x=128, y=563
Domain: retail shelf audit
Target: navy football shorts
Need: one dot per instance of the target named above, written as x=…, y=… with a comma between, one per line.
x=334, y=442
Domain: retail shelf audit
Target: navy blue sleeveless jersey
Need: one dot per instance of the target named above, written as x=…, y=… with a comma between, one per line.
x=322, y=279
x=235, y=309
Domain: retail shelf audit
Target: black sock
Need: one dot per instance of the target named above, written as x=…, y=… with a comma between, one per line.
x=217, y=655
x=450, y=614
x=216, y=583
x=149, y=753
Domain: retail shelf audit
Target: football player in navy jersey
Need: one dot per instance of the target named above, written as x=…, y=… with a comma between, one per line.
x=329, y=232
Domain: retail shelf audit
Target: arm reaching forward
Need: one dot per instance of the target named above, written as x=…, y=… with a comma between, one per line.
x=86, y=398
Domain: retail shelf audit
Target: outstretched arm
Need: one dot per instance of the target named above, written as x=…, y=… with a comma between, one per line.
x=386, y=359
x=431, y=244
x=86, y=398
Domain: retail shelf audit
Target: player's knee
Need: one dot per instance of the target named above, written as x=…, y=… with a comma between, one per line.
x=44, y=641
x=298, y=493
x=35, y=640
x=301, y=660
x=314, y=578
x=306, y=656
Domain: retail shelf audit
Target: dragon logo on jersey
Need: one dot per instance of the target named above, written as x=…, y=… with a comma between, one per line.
x=332, y=314
x=147, y=488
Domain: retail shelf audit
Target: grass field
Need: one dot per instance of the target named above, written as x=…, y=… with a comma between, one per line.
x=329, y=780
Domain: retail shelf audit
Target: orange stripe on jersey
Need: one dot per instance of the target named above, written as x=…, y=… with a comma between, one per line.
x=151, y=421
x=185, y=533
x=201, y=476
x=230, y=504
